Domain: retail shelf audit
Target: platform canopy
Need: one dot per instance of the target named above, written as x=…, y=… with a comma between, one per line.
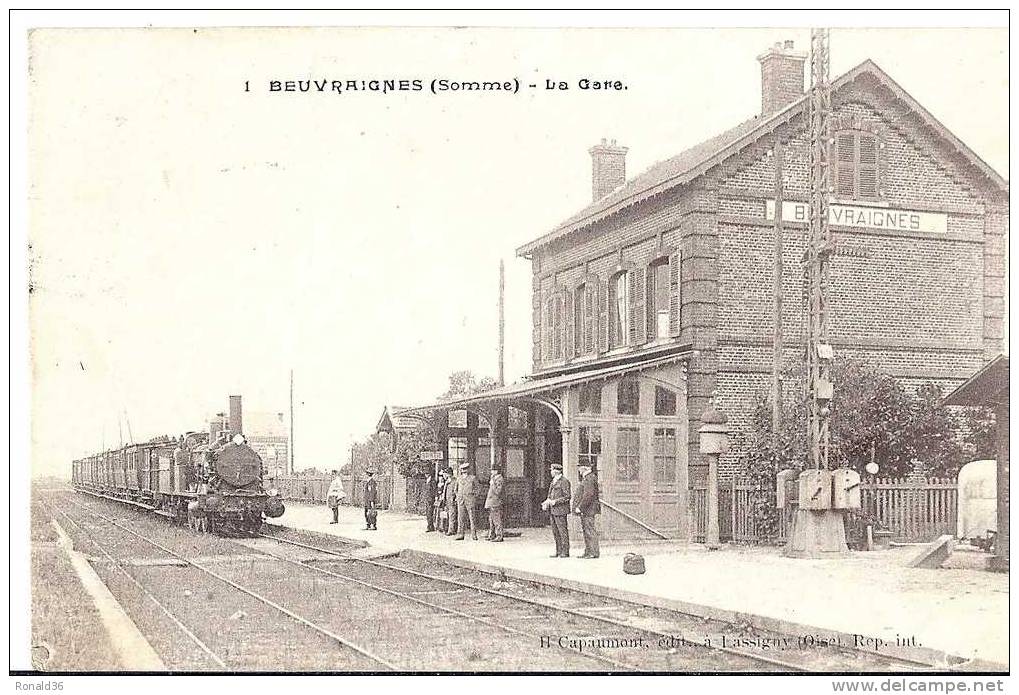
x=551, y=381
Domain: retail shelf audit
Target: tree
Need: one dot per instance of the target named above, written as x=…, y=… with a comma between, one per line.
x=409, y=445
x=463, y=383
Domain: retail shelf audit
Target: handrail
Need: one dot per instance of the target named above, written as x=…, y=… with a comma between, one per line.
x=635, y=520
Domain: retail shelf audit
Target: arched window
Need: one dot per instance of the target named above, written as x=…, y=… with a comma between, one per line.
x=619, y=309
x=628, y=397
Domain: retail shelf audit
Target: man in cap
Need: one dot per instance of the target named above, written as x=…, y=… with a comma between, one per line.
x=430, y=491
x=439, y=504
x=335, y=496
x=371, y=501
x=558, y=506
x=587, y=505
x=493, y=503
x=466, y=497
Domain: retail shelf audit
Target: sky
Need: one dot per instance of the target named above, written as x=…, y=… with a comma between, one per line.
x=190, y=240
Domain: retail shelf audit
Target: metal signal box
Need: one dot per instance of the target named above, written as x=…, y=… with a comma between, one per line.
x=815, y=489
x=846, y=489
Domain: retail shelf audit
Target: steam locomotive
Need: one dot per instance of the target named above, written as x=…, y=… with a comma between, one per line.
x=210, y=481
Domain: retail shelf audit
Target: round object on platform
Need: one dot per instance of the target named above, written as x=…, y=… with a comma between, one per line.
x=633, y=563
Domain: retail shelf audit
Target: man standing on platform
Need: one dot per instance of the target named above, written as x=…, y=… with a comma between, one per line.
x=493, y=503
x=430, y=491
x=558, y=506
x=450, y=503
x=588, y=506
x=371, y=502
x=466, y=498
x=335, y=496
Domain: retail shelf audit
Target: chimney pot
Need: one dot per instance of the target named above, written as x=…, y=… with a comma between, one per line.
x=781, y=76
x=608, y=168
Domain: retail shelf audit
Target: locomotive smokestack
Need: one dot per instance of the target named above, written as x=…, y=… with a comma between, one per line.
x=235, y=416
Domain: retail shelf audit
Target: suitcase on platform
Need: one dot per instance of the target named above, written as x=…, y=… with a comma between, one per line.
x=633, y=563
x=371, y=515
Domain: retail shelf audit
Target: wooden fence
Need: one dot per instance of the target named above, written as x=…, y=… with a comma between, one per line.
x=314, y=489
x=914, y=509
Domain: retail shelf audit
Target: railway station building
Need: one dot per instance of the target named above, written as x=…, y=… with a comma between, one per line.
x=660, y=294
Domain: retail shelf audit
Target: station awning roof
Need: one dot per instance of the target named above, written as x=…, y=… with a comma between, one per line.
x=988, y=387
x=536, y=386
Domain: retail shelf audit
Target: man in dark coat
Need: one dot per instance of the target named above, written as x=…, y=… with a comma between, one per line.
x=587, y=505
x=430, y=490
x=439, y=505
x=493, y=503
x=371, y=502
x=558, y=506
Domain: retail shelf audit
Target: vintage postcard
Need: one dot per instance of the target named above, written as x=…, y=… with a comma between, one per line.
x=516, y=347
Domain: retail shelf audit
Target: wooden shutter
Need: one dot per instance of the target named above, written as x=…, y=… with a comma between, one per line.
x=845, y=165
x=637, y=319
x=590, y=315
x=568, y=341
x=650, y=318
x=867, y=166
x=675, y=284
x=545, y=331
x=556, y=332
x=603, y=316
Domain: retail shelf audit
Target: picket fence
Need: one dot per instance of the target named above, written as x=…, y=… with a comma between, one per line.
x=914, y=509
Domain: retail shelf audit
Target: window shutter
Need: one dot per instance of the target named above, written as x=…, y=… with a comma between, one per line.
x=603, y=316
x=545, y=331
x=845, y=165
x=636, y=280
x=557, y=326
x=675, y=277
x=867, y=166
x=568, y=343
x=650, y=319
x=590, y=315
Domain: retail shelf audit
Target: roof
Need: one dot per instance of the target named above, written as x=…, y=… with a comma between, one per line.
x=391, y=420
x=987, y=387
x=697, y=160
x=536, y=387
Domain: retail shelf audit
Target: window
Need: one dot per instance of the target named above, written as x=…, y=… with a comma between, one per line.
x=619, y=314
x=628, y=397
x=628, y=454
x=517, y=418
x=583, y=319
x=590, y=446
x=665, y=455
x=665, y=401
x=658, y=288
x=856, y=165
x=590, y=399
x=457, y=449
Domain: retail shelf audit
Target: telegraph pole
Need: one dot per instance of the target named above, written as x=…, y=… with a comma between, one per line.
x=819, y=249
x=776, y=374
x=291, y=443
x=502, y=321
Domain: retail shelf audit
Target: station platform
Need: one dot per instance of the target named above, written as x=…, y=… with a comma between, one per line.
x=959, y=610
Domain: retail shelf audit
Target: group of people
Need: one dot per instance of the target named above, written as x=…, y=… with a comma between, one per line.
x=451, y=503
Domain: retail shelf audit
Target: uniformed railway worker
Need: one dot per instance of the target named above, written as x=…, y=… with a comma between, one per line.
x=371, y=502
x=587, y=504
x=558, y=506
x=466, y=499
x=493, y=503
x=335, y=496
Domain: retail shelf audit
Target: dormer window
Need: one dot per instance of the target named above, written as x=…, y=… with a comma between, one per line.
x=856, y=165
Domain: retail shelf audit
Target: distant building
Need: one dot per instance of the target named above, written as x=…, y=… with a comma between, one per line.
x=267, y=435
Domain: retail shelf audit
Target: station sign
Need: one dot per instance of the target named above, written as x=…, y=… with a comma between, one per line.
x=865, y=216
x=430, y=456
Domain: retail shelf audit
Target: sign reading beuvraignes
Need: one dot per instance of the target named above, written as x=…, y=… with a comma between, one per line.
x=868, y=217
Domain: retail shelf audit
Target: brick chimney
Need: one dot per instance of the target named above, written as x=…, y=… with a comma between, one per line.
x=781, y=77
x=608, y=167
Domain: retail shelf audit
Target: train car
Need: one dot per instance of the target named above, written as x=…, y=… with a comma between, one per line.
x=210, y=482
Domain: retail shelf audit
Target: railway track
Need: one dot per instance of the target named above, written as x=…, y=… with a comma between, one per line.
x=656, y=624
x=420, y=616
